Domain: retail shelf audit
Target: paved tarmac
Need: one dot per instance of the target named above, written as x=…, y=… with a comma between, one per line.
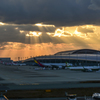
x=26, y=77
x=50, y=86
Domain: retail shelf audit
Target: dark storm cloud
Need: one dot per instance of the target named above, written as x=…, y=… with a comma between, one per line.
x=85, y=30
x=57, y=12
x=11, y=33
x=25, y=13
x=95, y=5
x=36, y=28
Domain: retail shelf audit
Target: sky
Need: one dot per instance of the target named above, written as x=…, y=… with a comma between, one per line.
x=30, y=28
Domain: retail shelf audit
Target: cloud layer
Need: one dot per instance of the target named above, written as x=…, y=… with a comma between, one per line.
x=56, y=12
x=21, y=16
x=95, y=5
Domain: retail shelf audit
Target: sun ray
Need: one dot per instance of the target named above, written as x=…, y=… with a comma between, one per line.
x=33, y=33
x=46, y=25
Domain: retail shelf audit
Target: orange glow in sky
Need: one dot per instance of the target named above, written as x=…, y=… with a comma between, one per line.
x=46, y=25
x=33, y=33
x=69, y=38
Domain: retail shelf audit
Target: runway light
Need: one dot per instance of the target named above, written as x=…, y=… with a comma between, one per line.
x=35, y=84
x=48, y=90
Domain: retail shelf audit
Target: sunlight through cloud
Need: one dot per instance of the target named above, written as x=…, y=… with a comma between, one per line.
x=33, y=33
x=21, y=31
x=60, y=32
x=1, y=23
x=46, y=25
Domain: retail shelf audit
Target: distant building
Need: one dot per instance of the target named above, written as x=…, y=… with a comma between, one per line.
x=5, y=60
x=82, y=57
x=81, y=51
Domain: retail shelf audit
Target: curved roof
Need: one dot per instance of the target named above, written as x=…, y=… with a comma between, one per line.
x=80, y=51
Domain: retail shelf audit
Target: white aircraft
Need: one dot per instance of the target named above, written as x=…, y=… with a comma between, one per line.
x=85, y=68
x=55, y=65
x=50, y=65
x=96, y=96
x=66, y=65
x=22, y=64
x=8, y=63
x=18, y=64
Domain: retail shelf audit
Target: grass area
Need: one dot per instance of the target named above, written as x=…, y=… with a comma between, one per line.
x=50, y=93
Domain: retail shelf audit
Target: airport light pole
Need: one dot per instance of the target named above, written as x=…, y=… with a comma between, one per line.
x=55, y=58
x=77, y=58
x=42, y=58
x=97, y=57
x=69, y=57
x=86, y=57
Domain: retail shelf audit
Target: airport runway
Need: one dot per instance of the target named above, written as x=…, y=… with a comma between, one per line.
x=50, y=86
x=26, y=77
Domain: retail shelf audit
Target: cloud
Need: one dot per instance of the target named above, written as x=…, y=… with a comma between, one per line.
x=14, y=36
x=55, y=12
x=85, y=30
x=10, y=34
x=17, y=33
x=65, y=33
x=30, y=27
x=95, y=5
x=12, y=45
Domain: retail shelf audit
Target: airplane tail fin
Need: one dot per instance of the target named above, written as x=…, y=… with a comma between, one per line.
x=37, y=62
x=67, y=64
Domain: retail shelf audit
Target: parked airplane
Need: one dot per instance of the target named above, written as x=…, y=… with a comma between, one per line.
x=8, y=64
x=96, y=96
x=18, y=64
x=38, y=63
x=66, y=65
x=85, y=68
x=50, y=65
x=55, y=65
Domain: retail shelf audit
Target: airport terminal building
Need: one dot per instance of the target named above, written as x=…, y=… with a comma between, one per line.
x=82, y=57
